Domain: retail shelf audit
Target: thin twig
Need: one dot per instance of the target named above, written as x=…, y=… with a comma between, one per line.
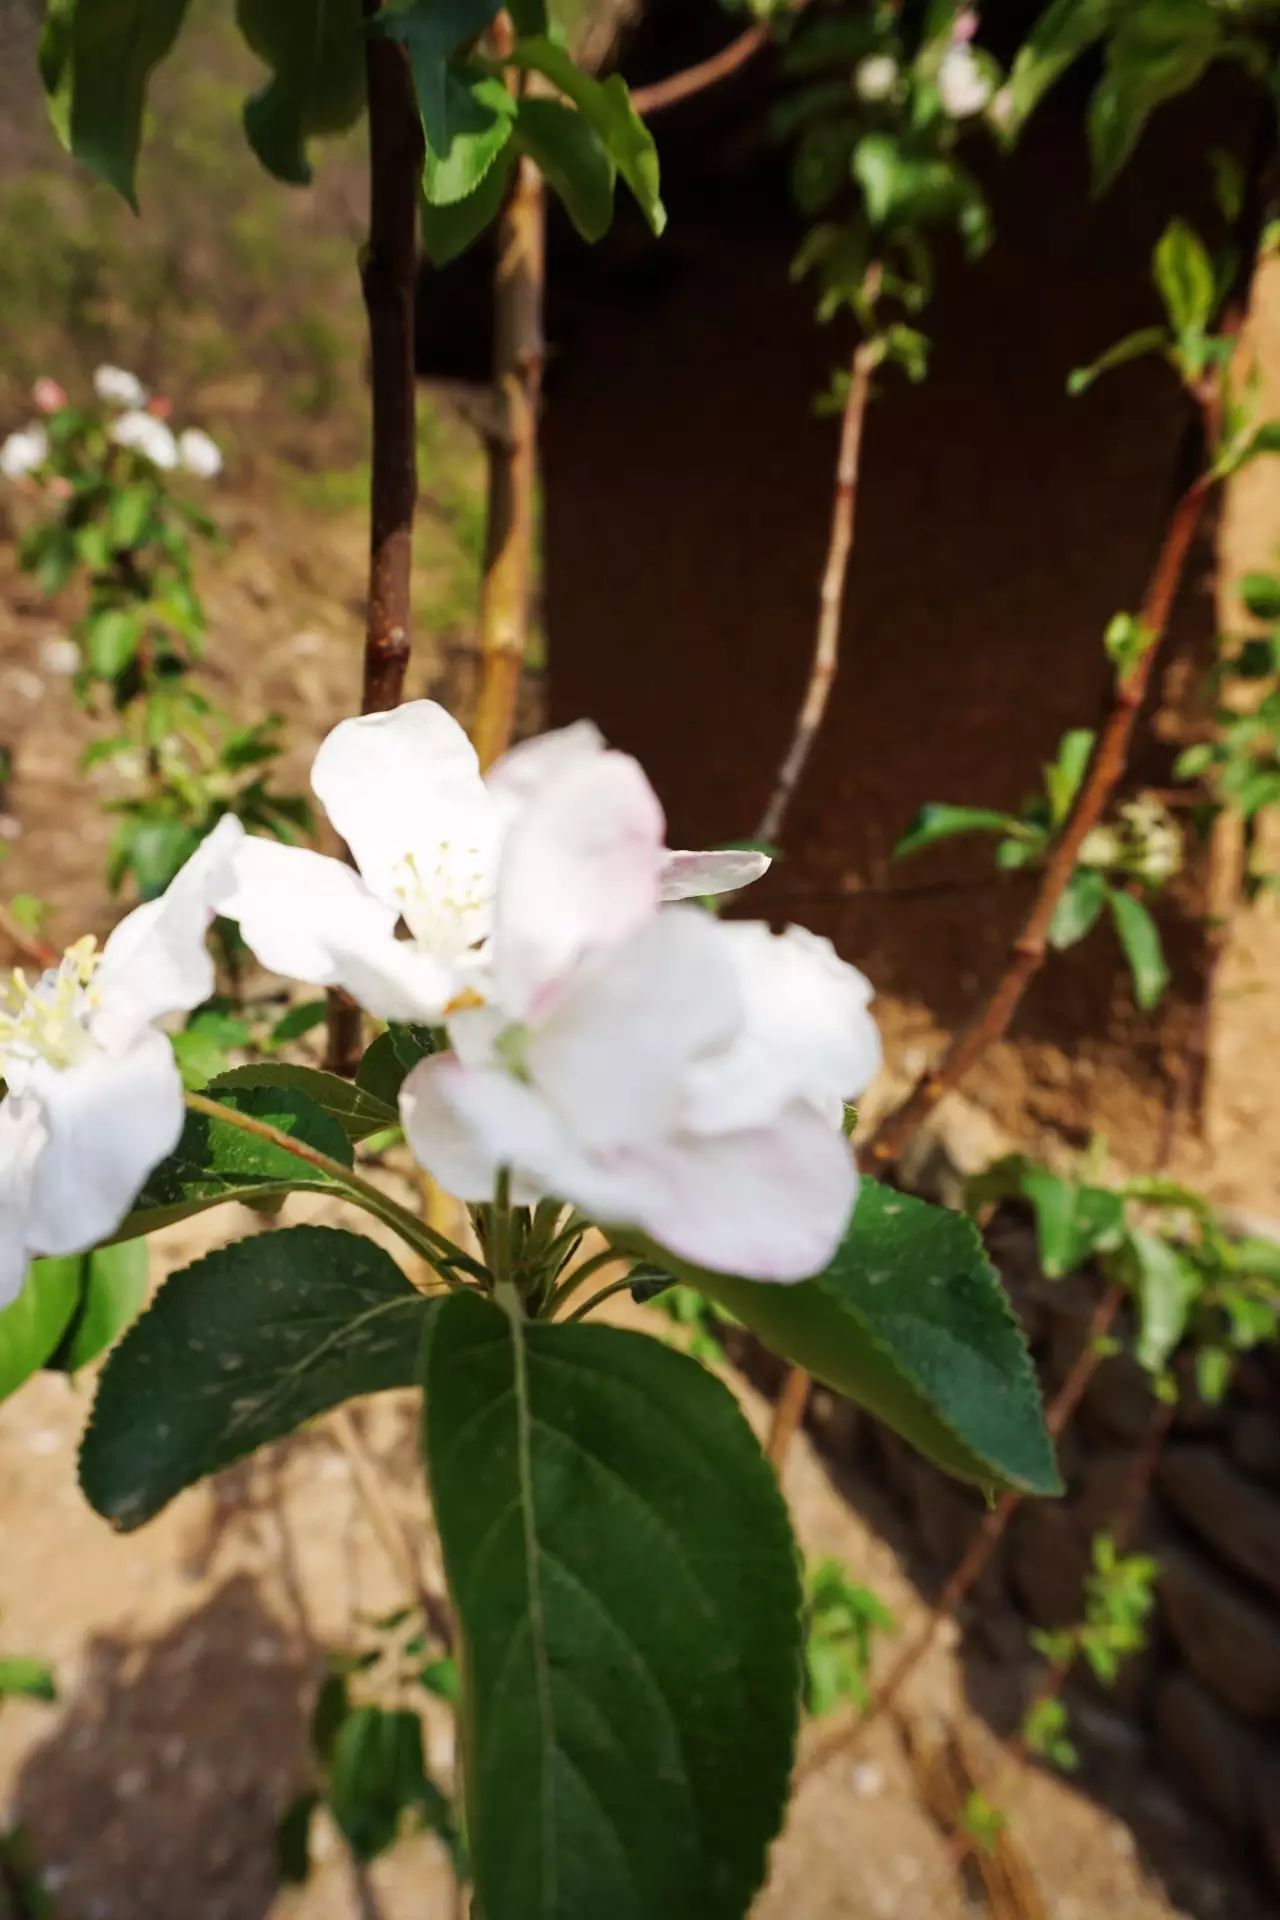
x=788, y=1412
x=31, y=947
x=706, y=73
x=388, y=273
x=386, y=1523
x=826, y=652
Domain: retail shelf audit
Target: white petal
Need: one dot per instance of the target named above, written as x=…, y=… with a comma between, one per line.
x=614, y=1056
x=403, y=785
x=22, y=1137
x=768, y=1203
x=157, y=960
x=579, y=872
x=463, y=1126
x=688, y=876
x=522, y=773
x=110, y=1120
x=808, y=1034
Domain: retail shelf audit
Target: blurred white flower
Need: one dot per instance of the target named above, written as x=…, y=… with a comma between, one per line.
x=59, y=656
x=144, y=434
x=964, y=84
x=199, y=454
x=23, y=452
x=94, y=1095
x=119, y=388
x=875, y=77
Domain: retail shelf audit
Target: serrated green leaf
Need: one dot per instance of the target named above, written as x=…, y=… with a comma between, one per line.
x=910, y=1321
x=112, y=1286
x=467, y=113
x=357, y=1111
x=938, y=821
x=625, y=1590
x=449, y=231
x=32, y=1325
x=96, y=58
x=606, y=105
x=1140, y=938
x=240, y=1349
x=216, y=1161
x=572, y=159
x=315, y=49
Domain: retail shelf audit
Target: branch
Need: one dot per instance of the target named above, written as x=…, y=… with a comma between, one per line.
x=29, y=945
x=396, y=1543
x=826, y=651
x=707, y=73
x=387, y=273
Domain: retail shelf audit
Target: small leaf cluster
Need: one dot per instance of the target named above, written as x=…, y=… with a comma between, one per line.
x=842, y=1619
x=1119, y=1598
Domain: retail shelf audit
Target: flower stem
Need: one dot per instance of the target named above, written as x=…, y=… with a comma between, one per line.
x=578, y=1278
x=598, y=1299
x=434, y=1247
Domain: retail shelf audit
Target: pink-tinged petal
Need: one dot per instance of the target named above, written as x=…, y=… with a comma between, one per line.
x=109, y=1121
x=403, y=785
x=464, y=1125
x=691, y=876
x=157, y=960
x=769, y=1203
x=613, y=1058
x=808, y=1033
x=522, y=773
x=23, y=1133
x=579, y=873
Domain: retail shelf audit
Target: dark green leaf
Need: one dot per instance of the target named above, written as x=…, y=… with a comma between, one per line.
x=357, y=1111
x=130, y=511
x=31, y=1679
x=315, y=49
x=1158, y=49
x=449, y=231
x=31, y=1327
x=95, y=61
x=626, y=1593
x=293, y=1839
x=1140, y=938
x=299, y=1020
x=938, y=821
x=1078, y=908
x=911, y=1321
x=217, y=1161
x=1261, y=595
x=467, y=113
x=241, y=1349
x=1061, y=34
x=574, y=162
x=112, y=1287
x=378, y=1778
x=606, y=104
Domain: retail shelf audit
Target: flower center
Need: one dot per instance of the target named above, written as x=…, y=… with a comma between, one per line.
x=447, y=905
x=48, y=1020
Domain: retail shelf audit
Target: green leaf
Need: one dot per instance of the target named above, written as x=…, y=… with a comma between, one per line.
x=606, y=105
x=301, y=1019
x=1158, y=49
x=112, y=1286
x=216, y=1161
x=938, y=821
x=467, y=113
x=113, y=638
x=1062, y=33
x=1261, y=595
x=293, y=1839
x=389, y=1058
x=32, y=1325
x=1078, y=908
x=1140, y=938
x=449, y=231
x=1073, y=1221
x=1063, y=775
x=95, y=60
x=241, y=1349
x=357, y=1111
x=378, y=1776
x=910, y=1321
x=31, y=1679
x=315, y=49
x=129, y=514
x=1184, y=275
x=575, y=163
x=1165, y=1283
x=627, y=1600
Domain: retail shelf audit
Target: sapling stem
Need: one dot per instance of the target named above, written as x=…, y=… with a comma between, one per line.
x=579, y=1277
x=598, y=1299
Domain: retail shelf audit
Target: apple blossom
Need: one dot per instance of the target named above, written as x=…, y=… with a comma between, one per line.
x=23, y=452
x=94, y=1095
x=875, y=77
x=119, y=388
x=144, y=434
x=964, y=84
x=404, y=790
x=49, y=395
x=199, y=454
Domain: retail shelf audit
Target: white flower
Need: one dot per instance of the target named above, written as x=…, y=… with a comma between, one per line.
x=146, y=435
x=660, y=1070
x=95, y=1098
x=119, y=388
x=964, y=83
x=199, y=454
x=875, y=77
x=425, y=831
x=23, y=452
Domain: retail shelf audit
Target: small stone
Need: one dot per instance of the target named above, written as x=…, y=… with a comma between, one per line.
x=1213, y=1751
x=867, y=1780
x=1236, y=1518
x=1228, y=1639
x=1049, y=1559
x=1255, y=1443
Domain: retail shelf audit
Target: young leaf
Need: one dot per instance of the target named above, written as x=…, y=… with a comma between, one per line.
x=625, y=1588
x=575, y=163
x=449, y=231
x=112, y=1286
x=96, y=57
x=1073, y=1222
x=357, y=1111
x=1063, y=775
x=1140, y=938
x=31, y=1679
x=910, y=1321
x=1132, y=347
x=32, y=1325
x=467, y=113
x=606, y=105
x=938, y=821
x=1157, y=50
x=1061, y=34
x=1184, y=275
x=215, y=1161
x=1165, y=1283
x=1261, y=595
x=240, y=1349
x=1081, y=902
x=315, y=49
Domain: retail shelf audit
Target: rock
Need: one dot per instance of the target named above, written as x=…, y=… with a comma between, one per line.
x=1238, y=1519
x=1226, y=1637
x=1212, y=1750
x=1049, y=1558
x=1255, y=1442
x=1119, y=1404
x=947, y=1516
x=1267, y=1809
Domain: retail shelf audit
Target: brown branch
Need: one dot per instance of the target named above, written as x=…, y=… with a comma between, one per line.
x=977, y=1556
x=788, y=1412
x=506, y=590
x=826, y=652
x=707, y=73
x=388, y=271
